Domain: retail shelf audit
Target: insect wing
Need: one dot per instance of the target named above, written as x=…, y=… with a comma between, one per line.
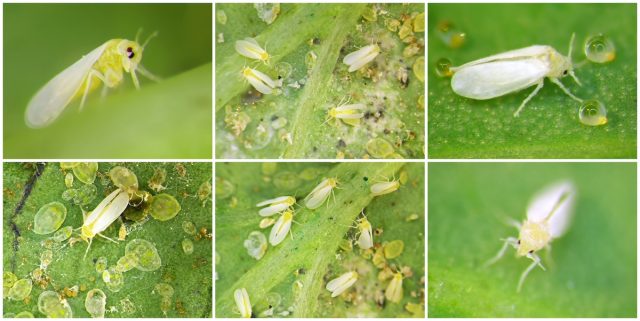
x=273, y=200
x=50, y=100
x=273, y=209
x=554, y=204
x=107, y=213
x=365, y=241
x=516, y=54
x=494, y=79
x=280, y=229
x=317, y=197
x=342, y=283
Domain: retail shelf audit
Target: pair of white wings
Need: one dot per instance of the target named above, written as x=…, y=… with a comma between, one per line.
x=554, y=205
x=500, y=74
x=51, y=99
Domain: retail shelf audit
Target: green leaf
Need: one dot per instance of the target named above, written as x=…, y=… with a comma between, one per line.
x=591, y=272
x=189, y=275
x=293, y=124
x=315, y=244
x=548, y=127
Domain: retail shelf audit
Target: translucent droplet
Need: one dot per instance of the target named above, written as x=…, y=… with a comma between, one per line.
x=286, y=181
x=418, y=68
x=451, y=36
x=164, y=289
x=63, y=234
x=256, y=244
x=443, y=67
x=49, y=218
x=124, y=178
x=164, y=207
x=599, y=49
x=393, y=249
x=224, y=188
x=379, y=148
x=189, y=228
x=68, y=180
x=101, y=264
x=187, y=246
x=20, y=289
x=593, y=113
x=158, y=178
x=95, y=303
x=86, y=172
x=148, y=258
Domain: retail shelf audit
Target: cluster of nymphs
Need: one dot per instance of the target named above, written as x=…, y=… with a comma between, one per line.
x=315, y=199
x=349, y=114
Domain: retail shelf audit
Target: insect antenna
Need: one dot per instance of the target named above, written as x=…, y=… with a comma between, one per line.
x=151, y=36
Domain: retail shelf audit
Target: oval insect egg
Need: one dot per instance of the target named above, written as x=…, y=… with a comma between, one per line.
x=49, y=218
x=599, y=49
x=95, y=303
x=443, y=67
x=592, y=113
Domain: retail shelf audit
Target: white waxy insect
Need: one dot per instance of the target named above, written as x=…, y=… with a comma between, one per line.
x=382, y=188
x=320, y=193
x=242, y=302
x=260, y=81
x=548, y=217
x=512, y=71
x=393, y=292
x=340, y=284
x=281, y=228
x=276, y=205
x=105, y=64
x=103, y=215
x=349, y=114
x=250, y=48
x=365, y=240
x=361, y=57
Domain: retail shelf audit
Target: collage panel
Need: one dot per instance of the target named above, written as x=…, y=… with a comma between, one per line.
x=523, y=80
x=320, y=81
x=492, y=226
x=118, y=240
x=326, y=240
x=71, y=72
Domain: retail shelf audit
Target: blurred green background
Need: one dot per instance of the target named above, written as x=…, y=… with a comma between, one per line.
x=189, y=275
x=169, y=119
x=593, y=268
x=549, y=126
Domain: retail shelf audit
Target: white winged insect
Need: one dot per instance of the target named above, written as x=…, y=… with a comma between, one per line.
x=281, y=228
x=512, y=71
x=242, y=302
x=276, y=205
x=105, y=64
x=320, y=193
x=260, y=81
x=342, y=283
x=365, y=231
x=348, y=113
x=250, y=48
x=361, y=57
x=548, y=217
x=103, y=215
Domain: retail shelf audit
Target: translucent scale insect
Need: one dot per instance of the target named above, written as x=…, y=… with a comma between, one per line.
x=104, y=64
x=512, y=71
x=548, y=217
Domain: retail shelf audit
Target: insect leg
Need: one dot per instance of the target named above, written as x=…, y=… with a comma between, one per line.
x=107, y=238
x=508, y=241
x=536, y=261
x=90, y=75
x=87, y=251
x=566, y=91
x=526, y=100
x=143, y=71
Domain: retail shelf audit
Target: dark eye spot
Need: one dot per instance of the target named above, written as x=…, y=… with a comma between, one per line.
x=564, y=73
x=130, y=52
x=518, y=242
x=531, y=252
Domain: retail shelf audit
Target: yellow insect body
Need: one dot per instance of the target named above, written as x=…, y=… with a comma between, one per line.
x=349, y=114
x=105, y=64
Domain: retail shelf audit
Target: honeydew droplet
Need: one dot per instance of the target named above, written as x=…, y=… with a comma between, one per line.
x=599, y=49
x=164, y=207
x=49, y=218
x=86, y=172
x=592, y=113
x=187, y=246
x=20, y=289
x=95, y=303
x=443, y=67
x=124, y=178
x=449, y=35
x=256, y=245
